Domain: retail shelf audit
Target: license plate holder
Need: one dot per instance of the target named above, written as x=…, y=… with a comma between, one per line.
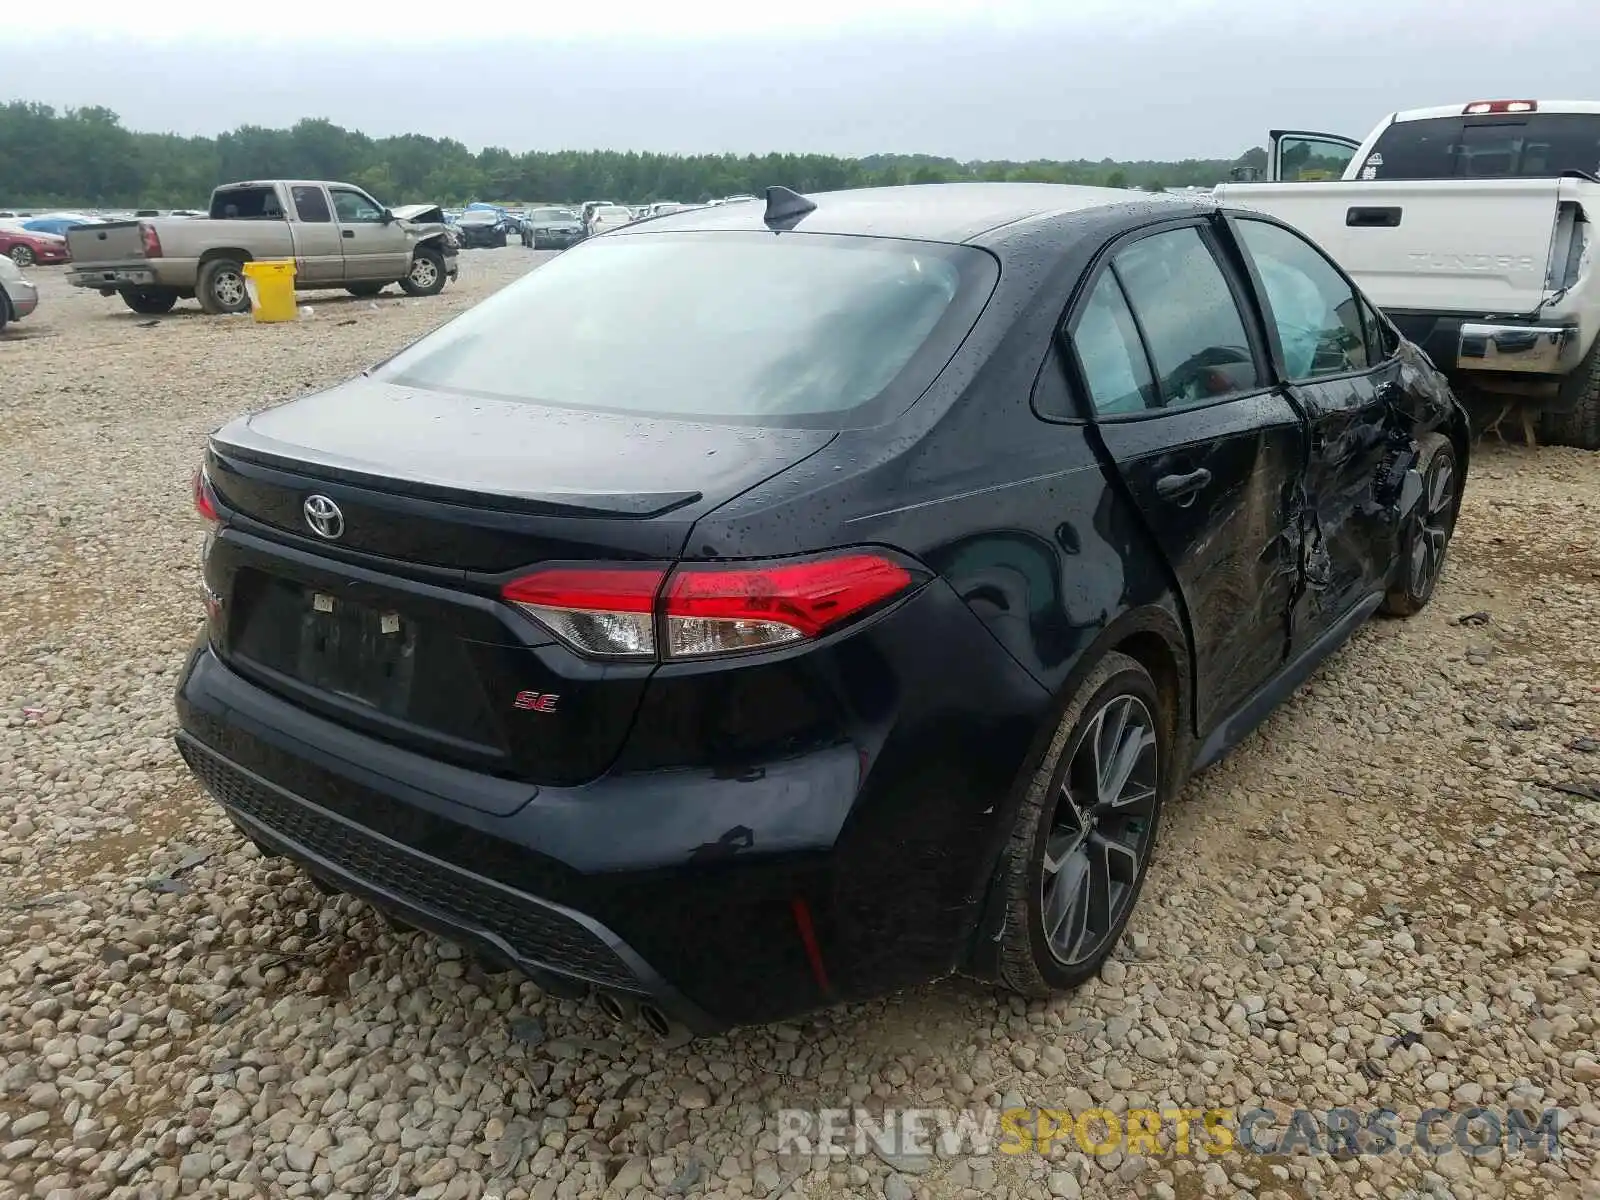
x=358, y=652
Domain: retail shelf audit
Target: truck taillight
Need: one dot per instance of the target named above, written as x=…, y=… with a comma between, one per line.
x=709, y=609
x=1483, y=108
x=150, y=240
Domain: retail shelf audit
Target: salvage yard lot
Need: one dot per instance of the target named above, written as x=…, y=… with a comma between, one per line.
x=1410, y=846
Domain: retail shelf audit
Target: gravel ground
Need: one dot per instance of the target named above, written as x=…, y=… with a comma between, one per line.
x=1382, y=899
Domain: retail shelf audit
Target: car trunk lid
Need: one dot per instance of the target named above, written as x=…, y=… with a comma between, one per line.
x=394, y=626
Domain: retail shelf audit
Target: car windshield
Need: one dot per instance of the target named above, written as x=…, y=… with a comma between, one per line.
x=746, y=328
x=613, y=210
x=552, y=214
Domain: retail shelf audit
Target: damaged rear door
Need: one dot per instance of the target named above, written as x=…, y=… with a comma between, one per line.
x=1342, y=372
x=1209, y=449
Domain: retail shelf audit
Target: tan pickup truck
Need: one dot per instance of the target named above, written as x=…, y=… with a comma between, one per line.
x=338, y=236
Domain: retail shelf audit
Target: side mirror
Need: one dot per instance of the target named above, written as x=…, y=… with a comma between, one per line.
x=388, y=217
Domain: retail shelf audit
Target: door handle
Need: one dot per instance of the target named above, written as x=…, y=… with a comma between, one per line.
x=349, y=233
x=1373, y=218
x=1182, y=488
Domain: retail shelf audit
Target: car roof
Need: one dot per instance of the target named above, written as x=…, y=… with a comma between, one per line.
x=942, y=212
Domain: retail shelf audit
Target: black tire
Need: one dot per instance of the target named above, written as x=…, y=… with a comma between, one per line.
x=500, y=242
x=419, y=281
x=1425, y=538
x=5, y=309
x=220, y=287
x=22, y=256
x=365, y=289
x=1579, y=425
x=1101, y=845
x=149, y=301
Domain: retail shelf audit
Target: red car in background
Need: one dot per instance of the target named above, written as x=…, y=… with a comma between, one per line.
x=25, y=248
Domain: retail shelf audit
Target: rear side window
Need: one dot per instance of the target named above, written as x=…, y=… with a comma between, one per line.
x=797, y=329
x=1188, y=316
x=247, y=204
x=1110, y=355
x=1316, y=313
x=1539, y=145
x=310, y=203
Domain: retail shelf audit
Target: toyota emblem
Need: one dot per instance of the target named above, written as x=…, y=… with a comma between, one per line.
x=324, y=517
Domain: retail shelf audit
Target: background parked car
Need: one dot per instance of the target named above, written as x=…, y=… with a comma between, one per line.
x=609, y=216
x=58, y=224
x=18, y=297
x=551, y=229
x=481, y=227
x=24, y=247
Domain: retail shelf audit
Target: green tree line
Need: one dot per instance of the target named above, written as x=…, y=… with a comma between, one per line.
x=84, y=156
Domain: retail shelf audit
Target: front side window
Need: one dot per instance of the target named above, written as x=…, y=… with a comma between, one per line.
x=354, y=208
x=1316, y=313
x=1189, y=318
x=1110, y=355
x=752, y=329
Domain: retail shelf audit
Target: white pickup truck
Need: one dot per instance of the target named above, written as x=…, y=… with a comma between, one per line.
x=1474, y=228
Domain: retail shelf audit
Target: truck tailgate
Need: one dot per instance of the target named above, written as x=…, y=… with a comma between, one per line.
x=1465, y=246
x=116, y=242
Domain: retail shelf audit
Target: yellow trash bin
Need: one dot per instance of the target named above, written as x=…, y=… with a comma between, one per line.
x=270, y=283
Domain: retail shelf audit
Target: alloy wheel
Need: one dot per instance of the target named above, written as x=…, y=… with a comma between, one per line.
x=1435, y=519
x=1100, y=832
x=423, y=272
x=228, y=287
x=22, y=256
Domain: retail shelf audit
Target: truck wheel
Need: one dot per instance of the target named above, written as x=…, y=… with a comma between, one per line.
x=426, y=276
x=149, y=301
x=22, y=256
x=1580, y=425
x=220, y=288
x=365, y=289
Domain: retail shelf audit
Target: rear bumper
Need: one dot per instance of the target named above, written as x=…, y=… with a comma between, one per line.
x=503, y=923
x=1538, y=349
x=728, y=894
x=114, y=277
x=1492, y=344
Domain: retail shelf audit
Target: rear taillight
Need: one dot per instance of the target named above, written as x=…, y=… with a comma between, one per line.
x=606, y=611
x=701, y=610
x=205, y=500
x=717, y=609
x=150, y=240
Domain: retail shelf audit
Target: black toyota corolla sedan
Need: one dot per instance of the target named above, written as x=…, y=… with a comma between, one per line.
x=773, y=605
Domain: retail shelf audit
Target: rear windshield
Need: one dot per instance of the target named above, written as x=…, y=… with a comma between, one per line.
x=1532, y=146
x=749, y=328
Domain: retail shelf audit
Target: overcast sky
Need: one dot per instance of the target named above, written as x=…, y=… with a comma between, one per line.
x=967, y=78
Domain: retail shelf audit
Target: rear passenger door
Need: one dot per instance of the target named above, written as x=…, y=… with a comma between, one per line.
x=1346, y=378
x=373, y=248
x=318, y=257
x=1181, y=396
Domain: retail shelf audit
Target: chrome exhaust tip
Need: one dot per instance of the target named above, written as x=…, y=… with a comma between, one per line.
x=656, y=1021
x=614, y=1007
